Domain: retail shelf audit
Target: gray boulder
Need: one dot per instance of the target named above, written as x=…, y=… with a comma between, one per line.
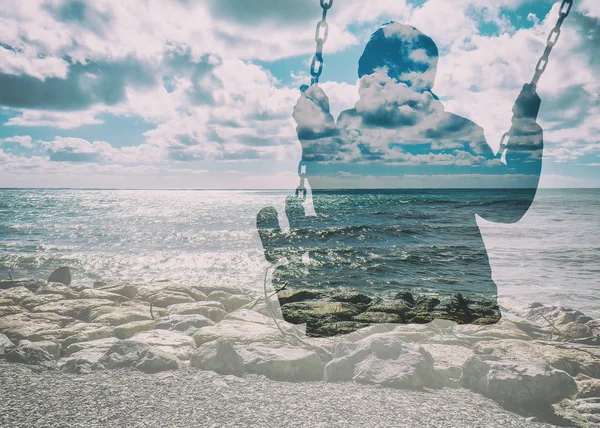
x=517, y=385
x=153, y=360
x=62, y=275
x=382, y=359
x=187, y=324
x=280, y=361
x=218, y=356
x=30, y=355
x=125, y=353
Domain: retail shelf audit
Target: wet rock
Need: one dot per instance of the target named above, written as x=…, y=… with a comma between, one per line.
x=62, y=275
x=218, y=356
x=293, y=296
x=32, y=356
x=15, y=296
x=317, y=312
x=280, y=361
x=377, y=317
x=153, y=360
x=406, y=297
x=187, y=324
x=351, y=297
x=125, y=331
x=517, y=385
x=172, y=342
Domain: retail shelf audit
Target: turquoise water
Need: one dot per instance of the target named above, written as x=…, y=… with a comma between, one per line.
x=206, y=237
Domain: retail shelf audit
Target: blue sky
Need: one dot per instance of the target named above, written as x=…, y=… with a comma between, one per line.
x=200, y=94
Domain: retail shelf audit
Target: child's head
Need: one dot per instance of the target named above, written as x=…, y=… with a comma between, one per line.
x=407, y=55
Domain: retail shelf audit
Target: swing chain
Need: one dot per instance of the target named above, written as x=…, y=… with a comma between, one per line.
x=316, y=68
x=565, y=9
x=563, y=12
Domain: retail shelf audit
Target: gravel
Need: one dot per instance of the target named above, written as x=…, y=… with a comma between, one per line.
x=194, y=398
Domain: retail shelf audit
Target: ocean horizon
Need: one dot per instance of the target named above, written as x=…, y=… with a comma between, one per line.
x=552, y=255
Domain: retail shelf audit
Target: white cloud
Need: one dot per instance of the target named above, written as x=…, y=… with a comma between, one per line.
x=23, y=140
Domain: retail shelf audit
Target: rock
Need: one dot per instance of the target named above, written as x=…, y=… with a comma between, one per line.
x=62, y=275
x=240, y=327
x=191, y=291
x=10, y=310
x=90, y=293
x=588, y=388
x=381, y=359
x=517, y=385
x=172, y=342
x=76, y=366
x=448, y=362
x=279, y=361
x=571, y=360
x=314, y=313
x=406, y=297
x=165, y=298
x=16, y=295
x=153, y=360
x=218, y=356
x=583, y=412
x=123, y=314
x=187, y=324
x=5, y=342
x=218, y=295
x=292, y=296
x=32, y=302
x=351, y=297
x=53, y=348
x=125, y=353
x=22, y=326
x=75, y=308
x=73, y=333
x=30, y=284
x=209, y=310
x=125, y=331
x=236, y=302
x=33, y=356
x=98, y=346
x=128, y=291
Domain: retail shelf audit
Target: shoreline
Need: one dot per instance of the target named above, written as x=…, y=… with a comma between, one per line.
x=541, y=361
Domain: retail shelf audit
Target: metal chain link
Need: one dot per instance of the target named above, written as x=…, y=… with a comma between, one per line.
x=565, y=9
x=316, y=68
x=563, y=12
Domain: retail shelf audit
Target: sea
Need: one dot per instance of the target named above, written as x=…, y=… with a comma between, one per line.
x=395, y=238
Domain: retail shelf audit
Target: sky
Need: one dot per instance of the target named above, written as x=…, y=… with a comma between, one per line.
x=201, y=93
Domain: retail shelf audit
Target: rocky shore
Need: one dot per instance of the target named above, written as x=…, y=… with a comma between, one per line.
x=539, y=362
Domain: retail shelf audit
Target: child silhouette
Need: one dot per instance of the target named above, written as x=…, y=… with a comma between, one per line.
x=365, y=253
